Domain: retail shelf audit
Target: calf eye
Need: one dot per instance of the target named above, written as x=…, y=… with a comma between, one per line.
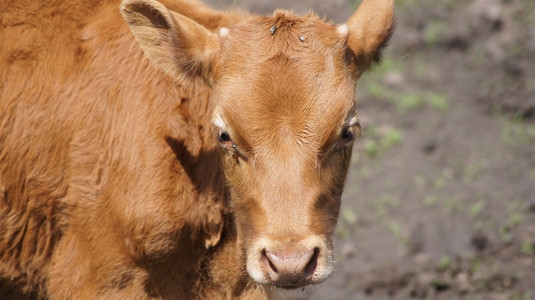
x=347, y=134
x=226, y=142
x=223, y=137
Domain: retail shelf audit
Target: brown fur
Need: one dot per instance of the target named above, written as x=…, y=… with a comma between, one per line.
x=112, y=183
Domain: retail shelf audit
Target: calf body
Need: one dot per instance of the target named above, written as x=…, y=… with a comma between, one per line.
x=171, y=151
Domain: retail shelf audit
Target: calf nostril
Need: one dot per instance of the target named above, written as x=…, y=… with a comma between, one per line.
x=312, y=263
x=265, y=258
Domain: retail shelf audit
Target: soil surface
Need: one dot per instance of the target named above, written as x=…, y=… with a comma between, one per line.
x=440, y=200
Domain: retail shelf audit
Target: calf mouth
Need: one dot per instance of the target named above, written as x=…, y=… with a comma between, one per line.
x=289, y=287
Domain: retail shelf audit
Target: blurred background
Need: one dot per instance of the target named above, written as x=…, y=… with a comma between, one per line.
x=440, y=199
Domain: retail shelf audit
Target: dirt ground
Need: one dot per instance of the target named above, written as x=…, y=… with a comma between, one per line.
x=440, y=201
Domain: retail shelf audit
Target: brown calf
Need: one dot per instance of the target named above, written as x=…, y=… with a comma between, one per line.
x=212, y=169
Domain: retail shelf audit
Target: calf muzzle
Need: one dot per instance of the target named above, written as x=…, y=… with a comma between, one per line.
x=290, y=264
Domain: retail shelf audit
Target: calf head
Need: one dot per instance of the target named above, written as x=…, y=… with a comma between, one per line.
x=284, y=116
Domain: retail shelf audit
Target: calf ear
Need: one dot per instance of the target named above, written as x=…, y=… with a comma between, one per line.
x=176, y=44
x=368, y=31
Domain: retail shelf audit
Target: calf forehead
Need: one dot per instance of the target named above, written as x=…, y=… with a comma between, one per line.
x=283, y=103
x=286, y=33
x=286, y=84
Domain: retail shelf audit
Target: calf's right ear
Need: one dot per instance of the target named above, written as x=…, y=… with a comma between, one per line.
x=175, y=44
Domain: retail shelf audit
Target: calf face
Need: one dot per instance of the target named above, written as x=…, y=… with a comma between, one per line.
x=285, y=118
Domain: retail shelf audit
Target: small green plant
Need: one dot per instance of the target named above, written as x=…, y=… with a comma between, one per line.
x=370, y=131
x=476, y=265
x=440, y=284
x=349, y=216
x=371, y=148
x=444, y=263
x=342, y=232
x=409, y=101
x=505, y=234
x=521, y=296
x=452, y=205
x=376, y=90
x=477, y=208
x=432, y=34
x=437, y=101
x=392, y=137
x=389, y=64
x=472, y=171
x=379, y=143
x=383, y=204
x=395, y=229
x=515, y=219
x=528, y=248
x=431, y=200
x=515, y=211
x=440, y=183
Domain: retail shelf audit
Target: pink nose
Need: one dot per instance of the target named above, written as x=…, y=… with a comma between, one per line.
x=290, y=269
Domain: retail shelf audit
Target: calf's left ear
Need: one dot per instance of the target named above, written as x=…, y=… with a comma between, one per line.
x=175, y=44
x=368, y=31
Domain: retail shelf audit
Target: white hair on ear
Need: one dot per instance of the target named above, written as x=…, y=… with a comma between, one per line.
x=223, y=32
x=343, y=30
